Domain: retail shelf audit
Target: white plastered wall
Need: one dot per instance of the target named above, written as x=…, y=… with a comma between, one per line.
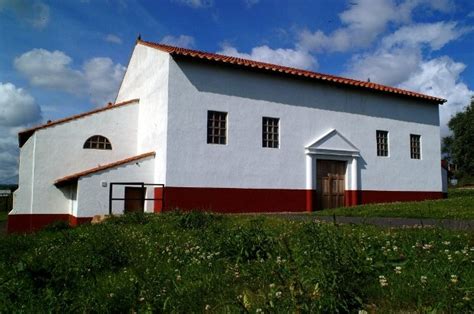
x=57, y=151
x=147, y=78
x=93, y=198
x=307, y=110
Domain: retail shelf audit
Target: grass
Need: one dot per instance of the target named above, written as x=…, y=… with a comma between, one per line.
x=3, y=216
x=196, y=262
x=458, y=205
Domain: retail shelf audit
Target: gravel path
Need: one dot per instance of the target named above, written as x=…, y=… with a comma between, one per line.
x=454, y=224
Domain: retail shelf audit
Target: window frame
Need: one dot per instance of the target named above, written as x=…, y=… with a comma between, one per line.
x=415, y=151
x=216, y=134
x=383, y=148
x=98, y=142
x=270, y=132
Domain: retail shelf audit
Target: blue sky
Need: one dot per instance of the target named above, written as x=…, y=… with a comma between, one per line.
x=59, y=58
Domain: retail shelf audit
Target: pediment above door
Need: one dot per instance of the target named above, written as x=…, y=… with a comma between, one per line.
x=333, y=143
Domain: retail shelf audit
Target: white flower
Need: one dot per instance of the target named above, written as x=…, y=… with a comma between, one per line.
x=446, y=242
x=259, y=310
x=383, y=281
x=423, y=279
x=362, y=312
x=454, y=279
x=278, y=294
x=272, y=285
x=208, y=307
x=398, y=270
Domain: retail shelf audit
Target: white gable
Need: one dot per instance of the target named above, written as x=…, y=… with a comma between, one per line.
x=333, y=143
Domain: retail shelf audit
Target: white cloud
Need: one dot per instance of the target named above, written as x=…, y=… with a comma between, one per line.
x=399, y=61
x=196, y=3
x=183, y=41
x=50, y=69
x=18, y=109
x=114, y=39
x=386, y=67
x=251, y=3
x=441, y=77
x=103, y=78
x=99, y=77
x=436, y=35
x=288, y=57
x=35, y=13
x=364, y=21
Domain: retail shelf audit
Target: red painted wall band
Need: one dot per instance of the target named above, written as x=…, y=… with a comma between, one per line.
x=33, y=222
x=369, y=197
x=229, y=200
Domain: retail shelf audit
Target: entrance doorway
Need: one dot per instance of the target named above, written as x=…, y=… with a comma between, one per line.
x=134, y=199
x=330, y=183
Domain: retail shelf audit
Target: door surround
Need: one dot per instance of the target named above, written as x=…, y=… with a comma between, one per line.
x=331, y=146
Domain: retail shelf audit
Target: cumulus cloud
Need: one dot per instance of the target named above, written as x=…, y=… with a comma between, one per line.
x=183, y=41
x=99, y=77
x=399, y=61
x=288, y=57
x=18, y=109
x=441, y=77
x=363, y=22
x=436, y=35
x=35, y=13
x=114, y=39
x=50, y=69
x=196, y=3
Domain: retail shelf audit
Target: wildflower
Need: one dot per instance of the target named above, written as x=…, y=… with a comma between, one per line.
x=278, y=294
x=454, y=279
x=362, y=312
x=423, y=279
x=446, y=242
x=208, y=307
x=427, y=246
x=272, y=285
x=259, y=310
x=383, y=281
x=141, y=299
x=398, y=270
x=369, y=259
x=278, y=260
x=178, y=278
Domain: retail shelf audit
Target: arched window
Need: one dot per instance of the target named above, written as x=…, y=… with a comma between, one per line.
x=97, y=142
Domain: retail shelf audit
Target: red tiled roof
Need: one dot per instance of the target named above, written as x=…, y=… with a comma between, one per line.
x=268, y=67
x=76, y=176
x=24, y=135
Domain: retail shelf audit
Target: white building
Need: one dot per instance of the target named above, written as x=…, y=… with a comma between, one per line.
x=230, y=135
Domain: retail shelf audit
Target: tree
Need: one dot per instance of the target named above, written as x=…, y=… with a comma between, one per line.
x=459, y=147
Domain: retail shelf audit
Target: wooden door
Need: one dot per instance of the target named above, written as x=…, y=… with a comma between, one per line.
x=134, y=199
x=330, y=183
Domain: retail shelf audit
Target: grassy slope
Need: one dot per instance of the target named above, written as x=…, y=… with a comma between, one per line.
x=458, y=205
x=197, y=262
x=3, y=216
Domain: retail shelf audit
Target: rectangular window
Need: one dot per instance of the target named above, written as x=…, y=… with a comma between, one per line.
x=382, y=143
x=415, y=146
x=270, y=132
x=216, y=127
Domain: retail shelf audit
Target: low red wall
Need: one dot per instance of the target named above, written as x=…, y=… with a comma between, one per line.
x=228, y=200
x=33, y=222
x=370, y=197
